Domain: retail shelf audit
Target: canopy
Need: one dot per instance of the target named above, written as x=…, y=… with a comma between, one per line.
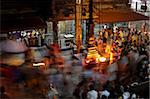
x=110, y=16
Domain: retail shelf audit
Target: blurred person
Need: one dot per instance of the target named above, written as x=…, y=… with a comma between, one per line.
x=115, y=28
x=29, y=55
x=92, y=93
x=126, y=92
x=121, y=33
x=100, y=44
x=47, y=61
x=84, y=92
x=106, y=90
x=133, y=96
x=68, y=88
x=104, y=40
x=104, y=97
x=87, y=73
x=105, y=93
x=77, y=91
x=3, y=93
x=126, y=95
x=18, y=76
x=52, y=93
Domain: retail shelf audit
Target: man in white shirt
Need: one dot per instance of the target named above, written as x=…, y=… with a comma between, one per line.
x=92, y=94
x=105, y=93
x=126, y=95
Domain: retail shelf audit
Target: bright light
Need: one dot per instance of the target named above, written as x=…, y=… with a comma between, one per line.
x=78, y=1
x=69, y=36
x=111, y=57
x=38, y=64
x=97, y=60
x=102, y=59
x=87, y=61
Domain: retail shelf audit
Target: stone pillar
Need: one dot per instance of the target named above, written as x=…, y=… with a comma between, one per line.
x=55, y=31
x=87, y=32
x=78, y=27
x=55, y=22
x=90, y=21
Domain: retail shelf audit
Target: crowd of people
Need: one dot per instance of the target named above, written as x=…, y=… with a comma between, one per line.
x=122, y=41
x=130, y=50
x=110, y=90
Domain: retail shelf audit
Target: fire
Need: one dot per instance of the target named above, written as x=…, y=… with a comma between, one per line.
x=94, y=55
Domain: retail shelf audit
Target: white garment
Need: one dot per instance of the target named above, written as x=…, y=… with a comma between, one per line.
x=136, y=56
x=115, y=29
x=92, y=94
x=133, y=96
x=51, y=94
x=105, y=93
x=126, y=95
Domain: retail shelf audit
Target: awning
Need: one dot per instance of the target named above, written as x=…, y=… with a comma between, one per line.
x=72, y=17
x=110, y=16
x=22, y=24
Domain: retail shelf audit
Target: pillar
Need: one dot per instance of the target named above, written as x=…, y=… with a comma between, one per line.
x=90, y=21
x=55, y=22
x=55, y=31
x=78, y=27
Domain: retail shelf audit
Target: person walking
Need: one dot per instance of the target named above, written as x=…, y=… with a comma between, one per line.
x=3, y=93
x=52, y=93
x=92, y=93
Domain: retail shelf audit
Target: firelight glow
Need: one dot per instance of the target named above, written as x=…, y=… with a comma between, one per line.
x=102, y=59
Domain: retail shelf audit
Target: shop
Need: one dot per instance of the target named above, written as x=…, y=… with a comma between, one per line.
x=32, y=37
x=23, y=35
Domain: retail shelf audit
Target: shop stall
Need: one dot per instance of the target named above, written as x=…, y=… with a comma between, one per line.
x=23, y=35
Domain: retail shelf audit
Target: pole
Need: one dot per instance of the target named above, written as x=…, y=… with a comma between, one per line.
x=136, y=6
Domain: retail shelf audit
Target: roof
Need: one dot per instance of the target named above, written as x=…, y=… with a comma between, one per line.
x=27, y=14
x=124, y=15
